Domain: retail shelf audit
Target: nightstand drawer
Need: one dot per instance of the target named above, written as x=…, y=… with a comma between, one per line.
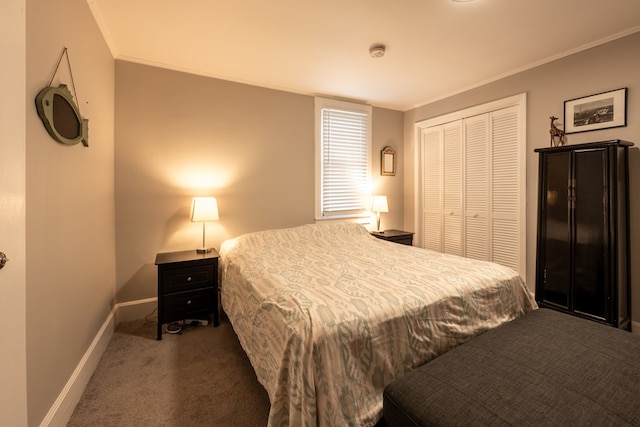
x=184, y=303
x=181, y=279
x=403, y=241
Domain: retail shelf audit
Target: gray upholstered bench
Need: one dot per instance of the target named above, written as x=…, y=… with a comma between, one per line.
x=544, y=368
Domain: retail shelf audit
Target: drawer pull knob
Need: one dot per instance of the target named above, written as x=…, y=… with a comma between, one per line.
x=188, y=302
x=189, y=279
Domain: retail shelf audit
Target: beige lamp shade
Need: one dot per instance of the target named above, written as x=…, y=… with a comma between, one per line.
x=379, y=204
x=204, y=209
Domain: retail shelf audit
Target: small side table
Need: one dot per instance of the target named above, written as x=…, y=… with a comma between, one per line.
x=187, y=286
x=396, y=236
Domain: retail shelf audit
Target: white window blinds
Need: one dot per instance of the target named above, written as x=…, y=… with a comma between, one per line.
x=344, y=139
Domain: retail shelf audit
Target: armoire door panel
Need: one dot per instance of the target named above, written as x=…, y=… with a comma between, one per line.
x=619, y=204
x=591, y=233
x=556, y=229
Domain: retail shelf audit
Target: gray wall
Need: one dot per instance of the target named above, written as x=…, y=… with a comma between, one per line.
x=70, y=226
x=603, y=68
x=179, y=135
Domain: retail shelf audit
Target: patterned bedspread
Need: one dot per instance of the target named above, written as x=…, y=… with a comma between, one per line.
x=328, y=315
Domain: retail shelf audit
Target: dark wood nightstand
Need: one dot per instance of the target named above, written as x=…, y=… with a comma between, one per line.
x=396, y=236
x=187, y=286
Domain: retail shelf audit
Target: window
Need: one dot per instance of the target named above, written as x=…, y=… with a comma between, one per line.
x=343, y=146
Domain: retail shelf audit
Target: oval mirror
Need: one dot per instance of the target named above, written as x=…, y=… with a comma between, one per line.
x=61, y=116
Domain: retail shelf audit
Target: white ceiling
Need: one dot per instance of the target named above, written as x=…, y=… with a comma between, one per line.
x=435, y=48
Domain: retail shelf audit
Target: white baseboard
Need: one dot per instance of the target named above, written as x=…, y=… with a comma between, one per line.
x=135, y=310
x=62, y=409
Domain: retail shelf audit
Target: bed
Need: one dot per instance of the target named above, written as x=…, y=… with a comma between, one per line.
x=328, y=315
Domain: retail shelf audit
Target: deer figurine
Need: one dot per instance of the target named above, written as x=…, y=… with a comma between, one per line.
x=557, y=135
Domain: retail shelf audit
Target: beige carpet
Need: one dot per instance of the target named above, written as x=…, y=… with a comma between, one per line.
x=200, y=377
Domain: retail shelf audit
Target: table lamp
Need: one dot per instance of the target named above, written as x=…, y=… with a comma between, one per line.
x=379, y=204
x=204, y=209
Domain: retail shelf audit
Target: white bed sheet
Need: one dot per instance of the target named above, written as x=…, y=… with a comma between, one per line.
x=328, y=315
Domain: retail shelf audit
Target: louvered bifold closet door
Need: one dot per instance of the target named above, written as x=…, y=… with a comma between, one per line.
x=476, y=187
x=432, y=187
x=452, y=187
x=505, y=184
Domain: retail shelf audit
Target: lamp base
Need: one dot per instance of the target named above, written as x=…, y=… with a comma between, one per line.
x=203, y=250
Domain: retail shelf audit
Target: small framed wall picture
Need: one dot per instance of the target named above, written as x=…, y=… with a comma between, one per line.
x=388, y=161
x=600, y=111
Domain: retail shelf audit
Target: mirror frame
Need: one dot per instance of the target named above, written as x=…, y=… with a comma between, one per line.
x=388, y=161
x=44, y=105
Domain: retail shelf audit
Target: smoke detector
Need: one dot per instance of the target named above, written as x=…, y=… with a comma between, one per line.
x=377, y=51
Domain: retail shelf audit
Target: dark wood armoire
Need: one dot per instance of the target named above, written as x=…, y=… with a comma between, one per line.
x=582, y=264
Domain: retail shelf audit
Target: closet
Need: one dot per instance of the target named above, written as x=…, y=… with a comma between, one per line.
x=471, y=180
x=582, y=264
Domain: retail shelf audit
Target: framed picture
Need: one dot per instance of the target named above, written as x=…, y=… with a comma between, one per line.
x=600, y=111
x=388, y=161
